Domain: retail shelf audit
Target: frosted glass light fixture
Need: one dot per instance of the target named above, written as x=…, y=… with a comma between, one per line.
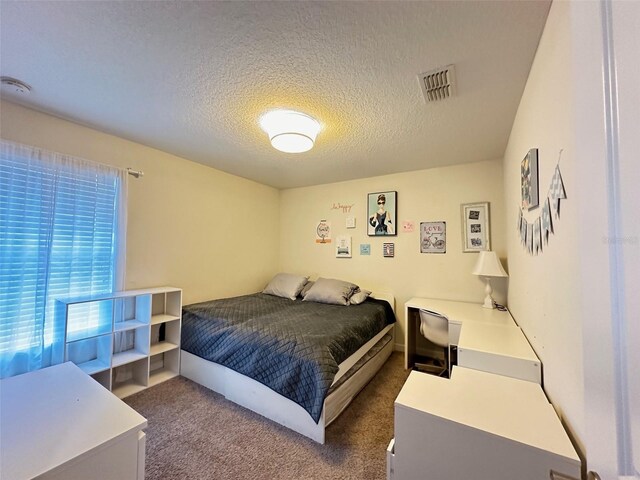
x=487, y=266
x=289, y=131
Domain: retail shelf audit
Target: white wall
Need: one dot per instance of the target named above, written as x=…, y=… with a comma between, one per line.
x=190, y=226
x=561, y=297
x=425, y=195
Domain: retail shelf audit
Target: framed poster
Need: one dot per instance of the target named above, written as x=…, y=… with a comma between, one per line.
x=382, y=213
x=475, y=227
x=343, y=246
x=433, y=237
x=323, y=232
x=529, y=179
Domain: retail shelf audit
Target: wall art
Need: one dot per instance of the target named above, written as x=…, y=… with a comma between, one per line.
x=323, y=232
x=529, y=179
x=350, y=222
x=433, y=237
x=343, y=246
x=408, y=226
x=382, y=213
x=346, y=208
x=388, y=249
x=475, y=227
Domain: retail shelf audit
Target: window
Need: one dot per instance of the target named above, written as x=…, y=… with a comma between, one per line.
x=61, y=235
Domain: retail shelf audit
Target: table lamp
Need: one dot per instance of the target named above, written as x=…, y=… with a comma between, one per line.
x=487, y=266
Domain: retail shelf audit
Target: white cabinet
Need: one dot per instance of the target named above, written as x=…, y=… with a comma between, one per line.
x=126, y=341
x=477, y=425
x=58, y=424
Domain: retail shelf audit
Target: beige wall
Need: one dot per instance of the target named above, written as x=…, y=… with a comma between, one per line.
x=191, y=226
x=546, y=290
x=426, y=195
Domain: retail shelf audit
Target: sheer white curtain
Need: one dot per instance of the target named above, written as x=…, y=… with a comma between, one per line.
x=62, y=233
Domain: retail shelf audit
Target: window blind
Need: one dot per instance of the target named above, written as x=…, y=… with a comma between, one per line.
x=57, y=239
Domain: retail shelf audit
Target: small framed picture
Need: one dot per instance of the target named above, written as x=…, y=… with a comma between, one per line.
x=433, y=237
x=388, y=249
x=323, y=232
x=529, y=179
x=382, y=213
x=475, y=227
x=343, y=246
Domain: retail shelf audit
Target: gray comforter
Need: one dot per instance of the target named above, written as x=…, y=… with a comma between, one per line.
x=293, y=347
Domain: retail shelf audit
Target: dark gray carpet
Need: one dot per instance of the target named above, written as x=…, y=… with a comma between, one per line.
x=194, y=433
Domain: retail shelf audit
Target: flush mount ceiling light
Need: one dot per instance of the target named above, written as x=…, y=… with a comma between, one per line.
x=289, y=131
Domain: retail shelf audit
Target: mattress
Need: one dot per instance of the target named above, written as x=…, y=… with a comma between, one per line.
x=292, y=347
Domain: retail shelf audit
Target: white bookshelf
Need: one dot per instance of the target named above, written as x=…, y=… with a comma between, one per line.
x=132, y=341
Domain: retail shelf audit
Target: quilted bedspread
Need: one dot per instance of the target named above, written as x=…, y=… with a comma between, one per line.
x=292, y=347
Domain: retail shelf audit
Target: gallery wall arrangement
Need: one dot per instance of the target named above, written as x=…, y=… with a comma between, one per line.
x=382, y=215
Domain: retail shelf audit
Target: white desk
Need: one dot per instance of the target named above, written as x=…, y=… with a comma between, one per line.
x=501, y=349
x=458, y=313
x=58, y=423
x=477, y=425
x=487, y=339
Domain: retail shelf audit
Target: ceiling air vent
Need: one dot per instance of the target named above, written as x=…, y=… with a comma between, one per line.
x=438, y=84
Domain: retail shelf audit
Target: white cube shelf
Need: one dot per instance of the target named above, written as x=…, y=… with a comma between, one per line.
x=131, y=339
x=164, y=366
x=92, y=354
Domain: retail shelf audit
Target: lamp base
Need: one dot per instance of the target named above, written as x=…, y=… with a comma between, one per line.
x=488, y=301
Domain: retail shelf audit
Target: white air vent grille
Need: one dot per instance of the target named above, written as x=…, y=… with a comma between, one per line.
x=438, y=84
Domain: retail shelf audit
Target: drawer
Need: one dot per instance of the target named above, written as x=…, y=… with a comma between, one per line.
x=390, y=458
x=520, y=368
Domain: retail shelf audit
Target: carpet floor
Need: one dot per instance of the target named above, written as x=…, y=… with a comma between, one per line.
x=194, y=433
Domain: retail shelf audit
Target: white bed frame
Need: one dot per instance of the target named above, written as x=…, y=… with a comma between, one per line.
x=255, y=396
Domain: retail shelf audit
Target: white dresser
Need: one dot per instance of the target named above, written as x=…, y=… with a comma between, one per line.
x=58, y=423
x=477, y=425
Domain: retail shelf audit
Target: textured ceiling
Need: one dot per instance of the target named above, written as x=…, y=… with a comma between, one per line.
x=192, y=78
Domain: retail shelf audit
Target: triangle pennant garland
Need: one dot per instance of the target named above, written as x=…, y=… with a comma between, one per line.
x=547, y=224
x=533, y=235
x=519, y=219
x=557, y=191
x=537, y=241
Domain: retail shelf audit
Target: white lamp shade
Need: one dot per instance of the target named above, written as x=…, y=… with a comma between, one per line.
x=488, y=265
x=289, y=131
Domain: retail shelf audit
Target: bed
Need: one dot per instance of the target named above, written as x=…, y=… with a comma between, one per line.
x=297, y=363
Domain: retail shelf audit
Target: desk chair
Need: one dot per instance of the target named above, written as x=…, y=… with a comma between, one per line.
x=435, y=328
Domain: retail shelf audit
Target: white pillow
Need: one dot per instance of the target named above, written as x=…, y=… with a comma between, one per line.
x=359, y=296
x=286, y=285
x=329, y=290
x=306, y=288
